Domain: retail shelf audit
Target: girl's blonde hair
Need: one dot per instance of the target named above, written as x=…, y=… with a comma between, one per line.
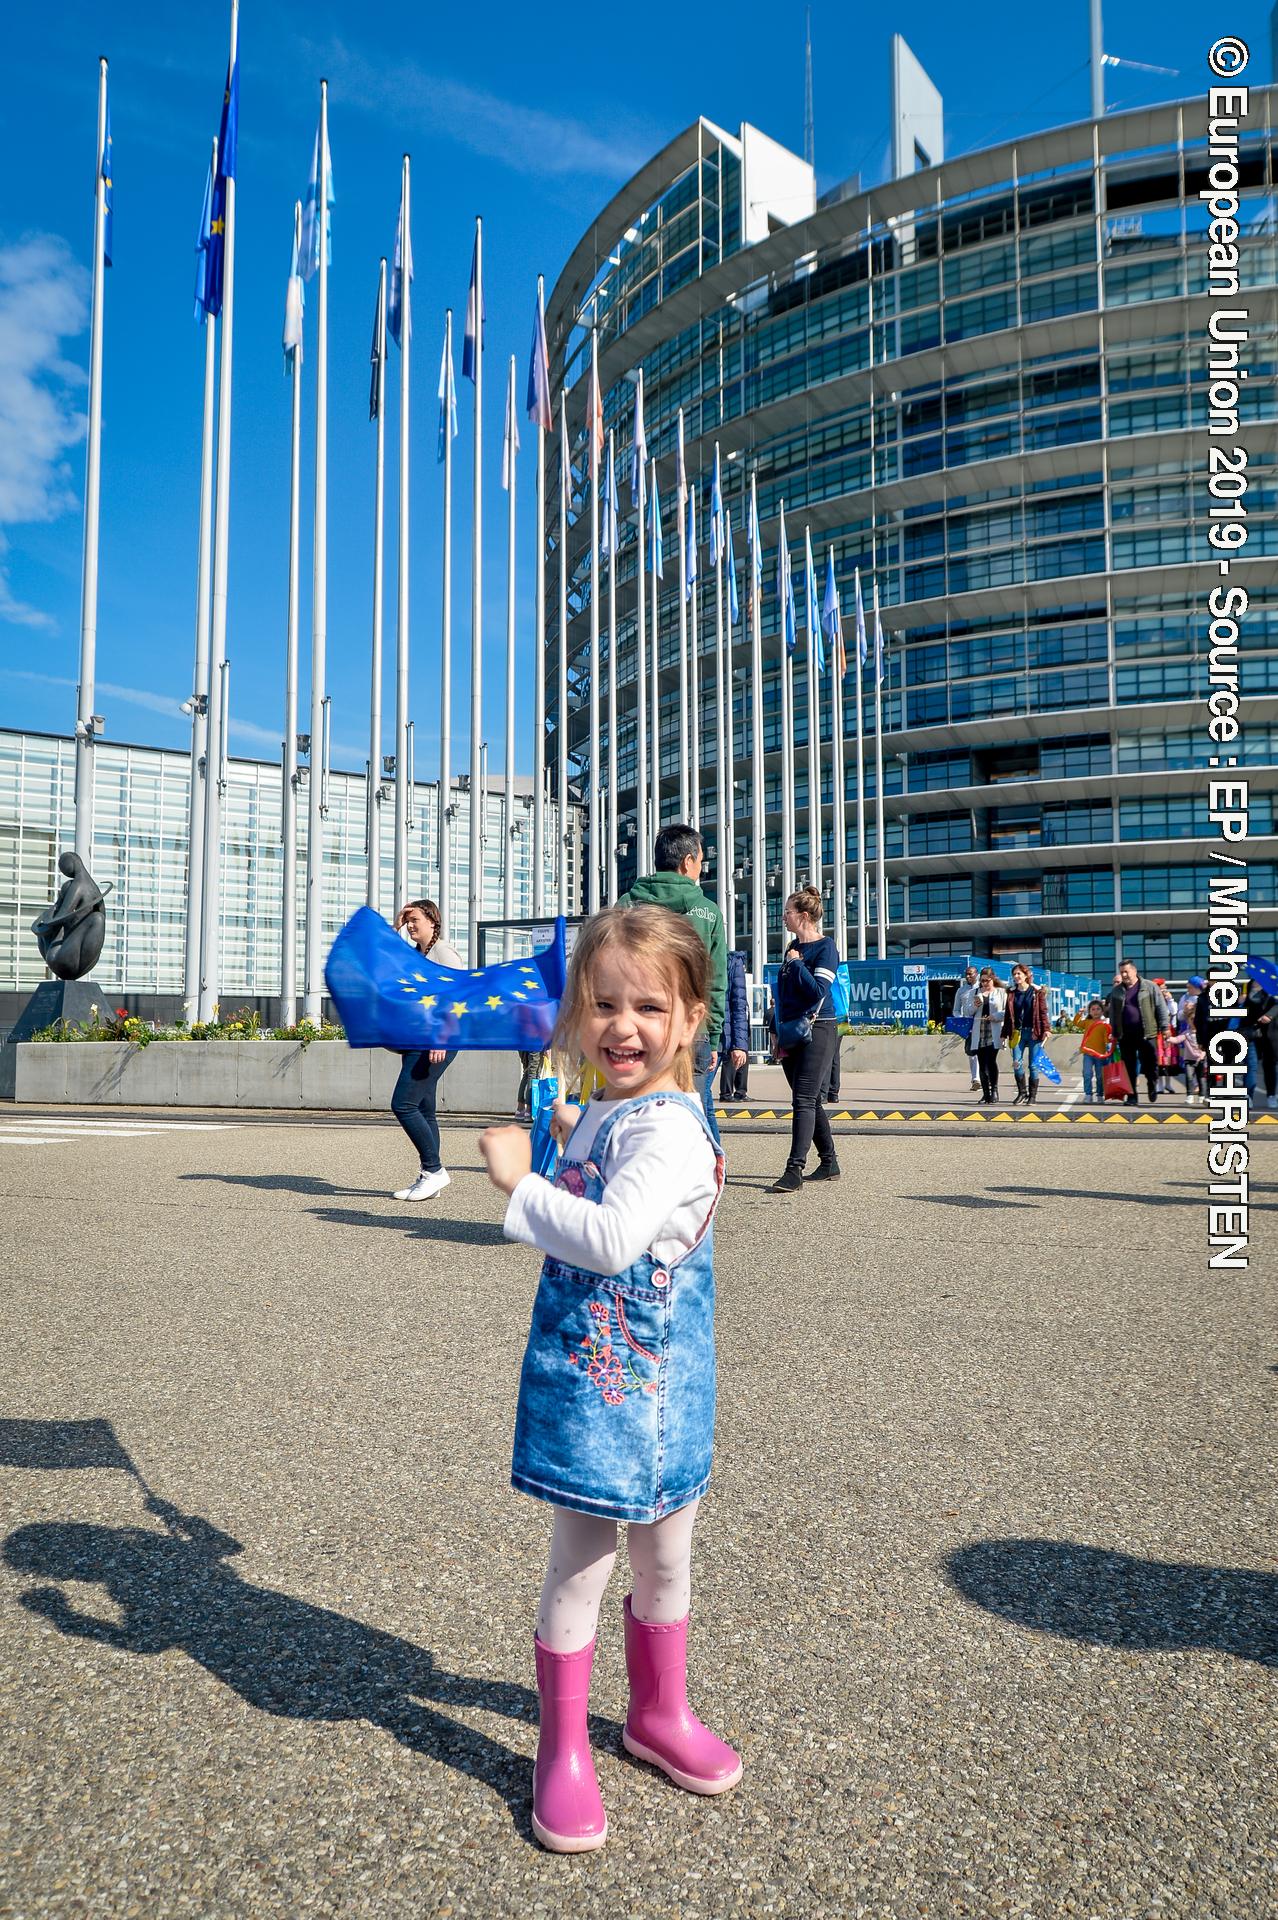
x=652, y=937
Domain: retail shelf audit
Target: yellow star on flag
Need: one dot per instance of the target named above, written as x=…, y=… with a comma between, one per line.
x=459, y=1006
x=428, y=999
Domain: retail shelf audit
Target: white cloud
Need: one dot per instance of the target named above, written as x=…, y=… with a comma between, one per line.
x=43, y=299
x=525, y=137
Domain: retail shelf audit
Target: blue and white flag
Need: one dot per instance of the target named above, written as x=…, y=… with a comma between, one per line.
x=754, y=543
x=538, y=400
x=376, y=353
x=473, y=340
x=681, y=471
x=399, y=305
x=294, y=309
x=389, y=995
x=785, y=590
x=509, y=439
x=108, y=193
x=639, y=447
x=202, y=246
x=878, y=643
x=656, y=556
x=816, y=645
x=716, y=511
x=690, y=546
x=611, y=506
x=832, y=615
x=734, y=604
x=315, y=228
x=862, y=649
x=447, y=401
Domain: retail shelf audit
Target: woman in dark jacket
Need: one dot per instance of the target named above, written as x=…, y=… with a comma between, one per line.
x=734, y=1053
x=803, y=987
x=1026, y=1025
x=413, y=1101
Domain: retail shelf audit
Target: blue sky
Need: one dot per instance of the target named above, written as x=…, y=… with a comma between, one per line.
x=500, y=120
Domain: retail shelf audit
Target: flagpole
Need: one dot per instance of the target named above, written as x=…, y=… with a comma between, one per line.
x=288, y=873
x=654, y=741
x=694, y=669
x=862, y=915
x=215, y=748
x=403, y=793
x=475, y=877
x=837, y=657
x=508, y=837
x=539, y=658
x=200, y=687
x=374, y=890
x=787, y=727
x=814, y=721
x=723, y=846
x=443, y=896
x=614, y=530
x=758, y=879
x=565, y=492
x=642, y=828
x=86, y=691
x=592, y=874
x=686, y=809
x=313, y=987
x=729, y=755
x=880, y=860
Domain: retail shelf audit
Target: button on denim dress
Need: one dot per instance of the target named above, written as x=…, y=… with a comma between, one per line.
x=617, y=1392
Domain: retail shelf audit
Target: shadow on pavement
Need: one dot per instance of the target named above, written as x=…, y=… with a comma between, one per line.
x=307, y=1183
x=977, y=1199
x=420, y=1223
x=281, y=1655
x=1111, y=1599
x=1137, y=1197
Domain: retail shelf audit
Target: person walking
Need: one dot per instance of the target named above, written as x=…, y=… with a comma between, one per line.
x=734, y=1046
x=1257, y=1028
x=413, y=1101
x=1137, y=1015
x=803, y=996
x=990, y=1006
x=615, y=1417
x=1026, y=1025
x=675, y=883
x=1096, y=1032
x=965, y=1009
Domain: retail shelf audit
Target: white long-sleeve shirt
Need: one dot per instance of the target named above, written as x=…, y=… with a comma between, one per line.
x=660, y=1173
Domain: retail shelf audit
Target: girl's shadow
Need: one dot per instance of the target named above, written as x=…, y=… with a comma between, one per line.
x=282, y=1655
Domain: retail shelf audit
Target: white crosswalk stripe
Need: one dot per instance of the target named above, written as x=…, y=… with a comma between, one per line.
x=24, y=1130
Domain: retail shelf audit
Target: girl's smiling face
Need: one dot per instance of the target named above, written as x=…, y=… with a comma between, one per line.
x=633, y=1025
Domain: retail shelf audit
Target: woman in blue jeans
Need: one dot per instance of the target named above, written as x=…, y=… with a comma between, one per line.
x=413, y=1101
x=1026, y=1025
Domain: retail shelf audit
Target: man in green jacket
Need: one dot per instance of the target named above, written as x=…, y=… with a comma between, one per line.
x=678, y=858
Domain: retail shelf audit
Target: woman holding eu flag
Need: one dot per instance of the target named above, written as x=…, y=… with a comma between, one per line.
x=413, y=1101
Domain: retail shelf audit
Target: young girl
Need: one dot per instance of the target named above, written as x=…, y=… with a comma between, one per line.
x=616, y=1400
x=1094, y=1049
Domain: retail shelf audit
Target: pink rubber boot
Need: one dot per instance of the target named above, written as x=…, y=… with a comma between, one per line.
x=661, y=1726
x=568, y=1814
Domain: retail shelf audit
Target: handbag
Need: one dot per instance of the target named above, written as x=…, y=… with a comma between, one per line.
x=1116, y=1081
x=545, y=1148
x=794, y=1033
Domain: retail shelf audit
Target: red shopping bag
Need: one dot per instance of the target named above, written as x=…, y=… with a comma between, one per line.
x=1116, y=1080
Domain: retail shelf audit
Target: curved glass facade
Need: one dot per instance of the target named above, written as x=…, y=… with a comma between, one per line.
x=985, y=385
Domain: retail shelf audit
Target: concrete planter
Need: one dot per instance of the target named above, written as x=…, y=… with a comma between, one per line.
x=931, y=1052
x=328, y=1075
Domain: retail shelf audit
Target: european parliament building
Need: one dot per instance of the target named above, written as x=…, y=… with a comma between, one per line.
x=983, y=383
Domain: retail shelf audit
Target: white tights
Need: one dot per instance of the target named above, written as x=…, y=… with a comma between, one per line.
x=583, y=1548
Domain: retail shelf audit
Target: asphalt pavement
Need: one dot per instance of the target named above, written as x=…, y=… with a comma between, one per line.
x=985, y=1588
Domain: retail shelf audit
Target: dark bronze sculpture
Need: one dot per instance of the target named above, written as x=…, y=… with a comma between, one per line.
x=70, y=934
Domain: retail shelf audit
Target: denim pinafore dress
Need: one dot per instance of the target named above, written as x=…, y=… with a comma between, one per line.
x=617, y=1391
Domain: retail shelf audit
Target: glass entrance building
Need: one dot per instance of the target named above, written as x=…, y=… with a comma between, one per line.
x=985, y=385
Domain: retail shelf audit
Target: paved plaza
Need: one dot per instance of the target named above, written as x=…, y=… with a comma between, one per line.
x=985, y=1588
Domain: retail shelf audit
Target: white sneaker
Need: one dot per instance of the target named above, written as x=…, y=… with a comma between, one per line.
x=424, y=1187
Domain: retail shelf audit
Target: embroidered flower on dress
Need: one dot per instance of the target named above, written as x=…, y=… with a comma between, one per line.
x=602, y=1365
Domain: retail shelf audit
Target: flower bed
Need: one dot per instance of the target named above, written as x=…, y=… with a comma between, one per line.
x=243, y=1024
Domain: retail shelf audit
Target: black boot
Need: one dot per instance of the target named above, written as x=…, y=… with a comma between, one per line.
x=1032, y=1095
x=790, y=1182
x=1022, y=1097
x=827, y=1170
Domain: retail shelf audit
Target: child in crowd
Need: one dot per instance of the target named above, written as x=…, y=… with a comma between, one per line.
x=617, y=1394
x=1095, y=1050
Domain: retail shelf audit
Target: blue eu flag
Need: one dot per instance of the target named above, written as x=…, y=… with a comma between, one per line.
x=390, y=995
x=108, y=194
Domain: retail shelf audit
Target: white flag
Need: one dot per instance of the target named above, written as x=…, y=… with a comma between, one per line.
x=510, y=440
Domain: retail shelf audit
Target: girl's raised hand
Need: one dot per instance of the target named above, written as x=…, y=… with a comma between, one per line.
x=507, y=1154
